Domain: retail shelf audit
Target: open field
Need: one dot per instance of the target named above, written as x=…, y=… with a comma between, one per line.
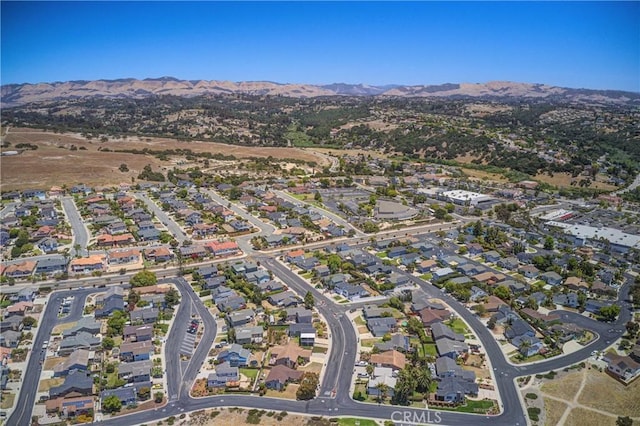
x=54, y=163
x=553, y=411
x=49, y=363
x=565, y=387
x=564, y=180
x=604, y=393
x=584, y=417
x=239, y=416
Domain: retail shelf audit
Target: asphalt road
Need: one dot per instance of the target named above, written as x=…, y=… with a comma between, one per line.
x=334, y=217
x=334, y=397
x=171, y=224
x=21, y=414
x=80, y=232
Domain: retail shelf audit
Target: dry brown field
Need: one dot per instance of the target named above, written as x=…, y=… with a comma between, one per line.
x=604, y=393
x=553, y=411
x=53, y=163
x=565, y=179
x=565, y=387
x=583, y=417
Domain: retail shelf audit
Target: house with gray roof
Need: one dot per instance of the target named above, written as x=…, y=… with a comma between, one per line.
x=77, y=382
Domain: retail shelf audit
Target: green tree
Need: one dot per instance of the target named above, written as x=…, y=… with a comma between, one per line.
x=144, y=393
x=549, y=243
x=107, y=343
x=383, y=391
x=317, y=197
x=123, y=168
x=309, y=301
x=502, y=292
x=624, y=421
x=609, y=313
x=158, y=397
x=143, y=279
x=29, y=322
x=111, y=404
x=172, y=297
x=308, y=386
x=632, y=328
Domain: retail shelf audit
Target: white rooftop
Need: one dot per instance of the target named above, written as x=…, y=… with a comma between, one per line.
x=615, y=236
x=462, y=195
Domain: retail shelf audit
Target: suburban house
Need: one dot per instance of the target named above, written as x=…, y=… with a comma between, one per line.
x=123, y=257
x=381, y=375
x=280, y=375
x=76, y=383
x=551, y=278
x=225, y=375
x=289, y=355
x=127, y=396
x=78, y=360
x=136, y=351
x=236, y=356
x=623, y=367
x=390, y=359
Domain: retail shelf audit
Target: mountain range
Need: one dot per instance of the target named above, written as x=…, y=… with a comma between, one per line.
x=20, y=94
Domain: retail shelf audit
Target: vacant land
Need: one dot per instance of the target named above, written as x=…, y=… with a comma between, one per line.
x=70, y=158
x=240, y=416
x=553, y=411
x=7, y=400
x=565, y=179
x=565, y=387
x=584, y=417
x=288, y=393
x=604, y=393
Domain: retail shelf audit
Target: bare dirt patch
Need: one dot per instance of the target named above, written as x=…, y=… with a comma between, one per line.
x=54, y=163
x=604, y=393
x=583, y=417
x=565, y=387
x=553, y=411
x=58, y=329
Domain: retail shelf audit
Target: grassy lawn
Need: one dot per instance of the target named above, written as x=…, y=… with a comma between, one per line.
x=426, y=277
x=369, y=342
x=251, y=373
x=427, y=349
x=359, y=320
x=516, y=359
x=471, y=407
x=352, y=422
x=382, y=254
x=319, y=350
x=307, y=275
x=458, y=326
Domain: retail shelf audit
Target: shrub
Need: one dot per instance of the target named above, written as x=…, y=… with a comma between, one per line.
x=531, y=396
x=534, y=413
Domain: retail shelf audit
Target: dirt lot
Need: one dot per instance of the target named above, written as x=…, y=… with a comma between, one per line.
x=604, y=393
x=553, y=411
x=58, y=329
x=53, y=163
x=583, y=417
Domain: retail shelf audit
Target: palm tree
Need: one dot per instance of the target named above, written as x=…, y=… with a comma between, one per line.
x=383, y=390
x=524, y=347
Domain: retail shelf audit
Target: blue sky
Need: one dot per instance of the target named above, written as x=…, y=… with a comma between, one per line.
x=573, y=44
